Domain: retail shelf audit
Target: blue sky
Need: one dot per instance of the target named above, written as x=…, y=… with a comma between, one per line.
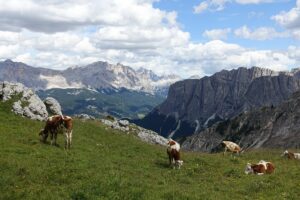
x=185, y=37
x=233, y=16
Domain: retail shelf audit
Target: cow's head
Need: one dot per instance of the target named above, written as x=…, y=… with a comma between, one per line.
x=178, y=163
x=248, y=169
x=43, y=135
x=285, y=153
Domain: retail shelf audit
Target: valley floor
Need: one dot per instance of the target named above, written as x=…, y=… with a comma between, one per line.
x=106, y=164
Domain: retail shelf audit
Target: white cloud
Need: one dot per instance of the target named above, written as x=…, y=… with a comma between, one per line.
x=262, y=33
x=253, y=1
x=218, y=5
x=132, y=32
x=217, y=34
x=201, y=7
x=58, y=16
x=290, y=19
x=212, y=5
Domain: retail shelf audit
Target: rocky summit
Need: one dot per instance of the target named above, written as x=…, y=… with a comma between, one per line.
x=266, y=127
x=193, y=105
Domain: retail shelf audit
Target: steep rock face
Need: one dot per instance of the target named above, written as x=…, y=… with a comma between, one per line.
x=27, y=103
x=267, y=127
x=193, y=105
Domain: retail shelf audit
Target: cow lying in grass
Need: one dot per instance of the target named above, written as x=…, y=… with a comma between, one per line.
x=173, y=152
x=291, y=155
x=232, y=147
x=260, y=168
x=53, y=125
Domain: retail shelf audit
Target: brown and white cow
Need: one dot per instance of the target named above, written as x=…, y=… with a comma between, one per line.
x=291, y=155
x=260, y=168
x=232, y=147
x=53, y=125
x=173, y=151
x=68, y=124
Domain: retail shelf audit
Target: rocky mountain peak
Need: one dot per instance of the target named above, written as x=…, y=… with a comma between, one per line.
x=194, y=104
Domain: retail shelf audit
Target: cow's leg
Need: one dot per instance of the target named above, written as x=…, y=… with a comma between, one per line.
x=51, y=137
x=55, y=137
x=45, y=136
x=225, y=151
x=70, y=138
x=170, y=159
x=66, y=139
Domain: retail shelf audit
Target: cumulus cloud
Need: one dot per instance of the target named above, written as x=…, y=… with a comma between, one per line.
x=59, y=16
x=59, y=34
x=290, y=19
x=217, y=34
x=262, y=33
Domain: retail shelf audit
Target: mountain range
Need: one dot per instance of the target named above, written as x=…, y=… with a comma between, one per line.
x=195, y=104
x=98, y=75
x=97, y=89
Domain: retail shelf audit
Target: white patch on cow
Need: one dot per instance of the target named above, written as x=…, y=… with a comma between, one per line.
x=67, y=117
x=264, y=163
x=230, y=145
x=297, y=156
x=175, y=146
x=50, y=119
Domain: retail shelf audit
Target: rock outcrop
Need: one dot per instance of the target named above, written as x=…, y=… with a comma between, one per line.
x=128, y=128
x=53, y=106
x=193, y=105
x=267, y=127
x=84, y=116
x=26, y=104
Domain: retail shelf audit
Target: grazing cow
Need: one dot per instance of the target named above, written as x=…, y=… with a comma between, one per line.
x=174, y=154
x=260, y=168
x=231, y=146
x=68, y=124
x=291, y=155
x=53, y=125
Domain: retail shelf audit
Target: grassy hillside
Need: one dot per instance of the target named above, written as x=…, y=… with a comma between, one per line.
x=105, y=164
x=121, y=103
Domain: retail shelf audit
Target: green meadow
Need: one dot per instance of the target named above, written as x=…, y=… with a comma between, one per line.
x=107, y=164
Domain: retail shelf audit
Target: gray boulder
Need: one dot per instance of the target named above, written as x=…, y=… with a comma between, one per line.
x=53, y=106
x=26, y=104
x=152, y=137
